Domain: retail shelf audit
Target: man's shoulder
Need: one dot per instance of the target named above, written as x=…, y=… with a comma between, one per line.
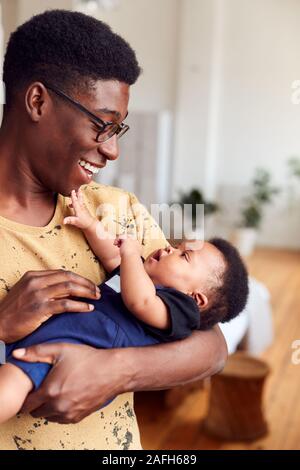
x=96, y=194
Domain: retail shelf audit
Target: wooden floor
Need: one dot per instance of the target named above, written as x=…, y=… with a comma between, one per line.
x=180, y=427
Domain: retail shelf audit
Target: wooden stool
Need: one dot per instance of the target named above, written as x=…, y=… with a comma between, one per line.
x=235, y=409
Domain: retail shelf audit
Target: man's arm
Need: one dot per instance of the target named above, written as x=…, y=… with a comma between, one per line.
x=70, y=394
x=199, y=356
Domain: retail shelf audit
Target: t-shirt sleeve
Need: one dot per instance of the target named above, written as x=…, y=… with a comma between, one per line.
x=147, y=229
x=184, y=315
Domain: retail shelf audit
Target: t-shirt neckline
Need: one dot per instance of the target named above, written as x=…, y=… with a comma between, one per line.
x=55, y=221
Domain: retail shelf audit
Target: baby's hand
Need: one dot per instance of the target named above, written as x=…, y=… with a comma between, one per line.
x=128, y=246
x=82, y=217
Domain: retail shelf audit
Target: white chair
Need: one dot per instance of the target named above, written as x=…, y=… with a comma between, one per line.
x=254, y=324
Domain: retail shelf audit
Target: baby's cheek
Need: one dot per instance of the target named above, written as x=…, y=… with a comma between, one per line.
x=171, y=276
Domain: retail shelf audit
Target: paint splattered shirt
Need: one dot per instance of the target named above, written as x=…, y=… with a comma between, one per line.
x=55, y=246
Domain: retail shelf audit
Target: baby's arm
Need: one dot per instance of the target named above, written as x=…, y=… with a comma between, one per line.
x=99, y=239
x=137, y=289
x=14, y=388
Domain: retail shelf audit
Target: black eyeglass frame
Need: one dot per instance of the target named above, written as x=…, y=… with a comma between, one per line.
x=118, y=129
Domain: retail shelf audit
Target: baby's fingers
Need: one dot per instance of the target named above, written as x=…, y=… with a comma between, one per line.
x=71, y=221
x=74, y=198
x=77, y=201
x=80, y=196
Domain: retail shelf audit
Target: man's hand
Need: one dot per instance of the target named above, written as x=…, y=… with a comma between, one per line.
x=37, y=296
x=81, y=381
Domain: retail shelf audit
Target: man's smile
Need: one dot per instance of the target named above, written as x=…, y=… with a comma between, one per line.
x=90, y=167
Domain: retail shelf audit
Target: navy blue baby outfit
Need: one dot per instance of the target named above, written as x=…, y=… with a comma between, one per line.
x=110, y=325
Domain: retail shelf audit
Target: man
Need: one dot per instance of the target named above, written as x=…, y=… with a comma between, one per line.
x=67, y=80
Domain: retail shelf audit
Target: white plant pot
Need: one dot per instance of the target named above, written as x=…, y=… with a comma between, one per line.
x=244, y=239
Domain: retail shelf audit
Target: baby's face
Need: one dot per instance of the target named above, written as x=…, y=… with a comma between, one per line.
x=187, y=268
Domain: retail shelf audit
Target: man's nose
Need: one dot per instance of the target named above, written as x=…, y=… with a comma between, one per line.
x=110, y=149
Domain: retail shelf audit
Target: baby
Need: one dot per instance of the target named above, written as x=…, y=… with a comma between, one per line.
x=164, y=298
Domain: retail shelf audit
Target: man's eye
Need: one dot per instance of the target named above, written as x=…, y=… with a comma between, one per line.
x=97, y=129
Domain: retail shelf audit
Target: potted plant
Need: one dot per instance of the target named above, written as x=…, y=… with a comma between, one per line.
x=262, y=193
x=189, y=201
x=294, y=167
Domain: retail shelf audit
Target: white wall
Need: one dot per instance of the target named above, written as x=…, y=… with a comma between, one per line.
x=9, y=17
x=193, y=92
x=259, y=125
x=151, y=28
x=16, y=12
x=238, y=61
x=28, y=8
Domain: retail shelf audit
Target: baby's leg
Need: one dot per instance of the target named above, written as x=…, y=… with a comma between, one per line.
x=14, y=388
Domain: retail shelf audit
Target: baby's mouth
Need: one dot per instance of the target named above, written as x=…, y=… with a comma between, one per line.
x=157, y=255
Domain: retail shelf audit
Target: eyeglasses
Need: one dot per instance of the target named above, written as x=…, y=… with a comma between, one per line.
x=105, y=130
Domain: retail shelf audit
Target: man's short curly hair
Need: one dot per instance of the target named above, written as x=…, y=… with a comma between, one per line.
x=67, y=49
x=231, y=292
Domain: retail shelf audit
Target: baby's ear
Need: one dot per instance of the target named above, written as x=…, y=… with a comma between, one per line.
x=200, y=299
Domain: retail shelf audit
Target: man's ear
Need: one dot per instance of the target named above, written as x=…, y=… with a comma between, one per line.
x=200, y=299
x=36, y=100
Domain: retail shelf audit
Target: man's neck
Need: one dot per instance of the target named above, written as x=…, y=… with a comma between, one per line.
x=22, y=198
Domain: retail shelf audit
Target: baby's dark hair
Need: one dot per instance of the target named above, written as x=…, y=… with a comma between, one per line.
x=230, y=296
x=67, y=49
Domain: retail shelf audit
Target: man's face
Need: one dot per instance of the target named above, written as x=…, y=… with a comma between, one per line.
x=67, y=136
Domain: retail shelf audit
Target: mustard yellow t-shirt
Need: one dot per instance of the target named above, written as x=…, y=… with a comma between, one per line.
x=25, y=248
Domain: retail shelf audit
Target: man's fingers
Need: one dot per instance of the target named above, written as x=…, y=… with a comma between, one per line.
x=57, y=276
x=39, y=405
x=69, y=289
x=56, y=307
x=48, y=353
x=44, y=412
x=34, y=401
x=41, y=273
